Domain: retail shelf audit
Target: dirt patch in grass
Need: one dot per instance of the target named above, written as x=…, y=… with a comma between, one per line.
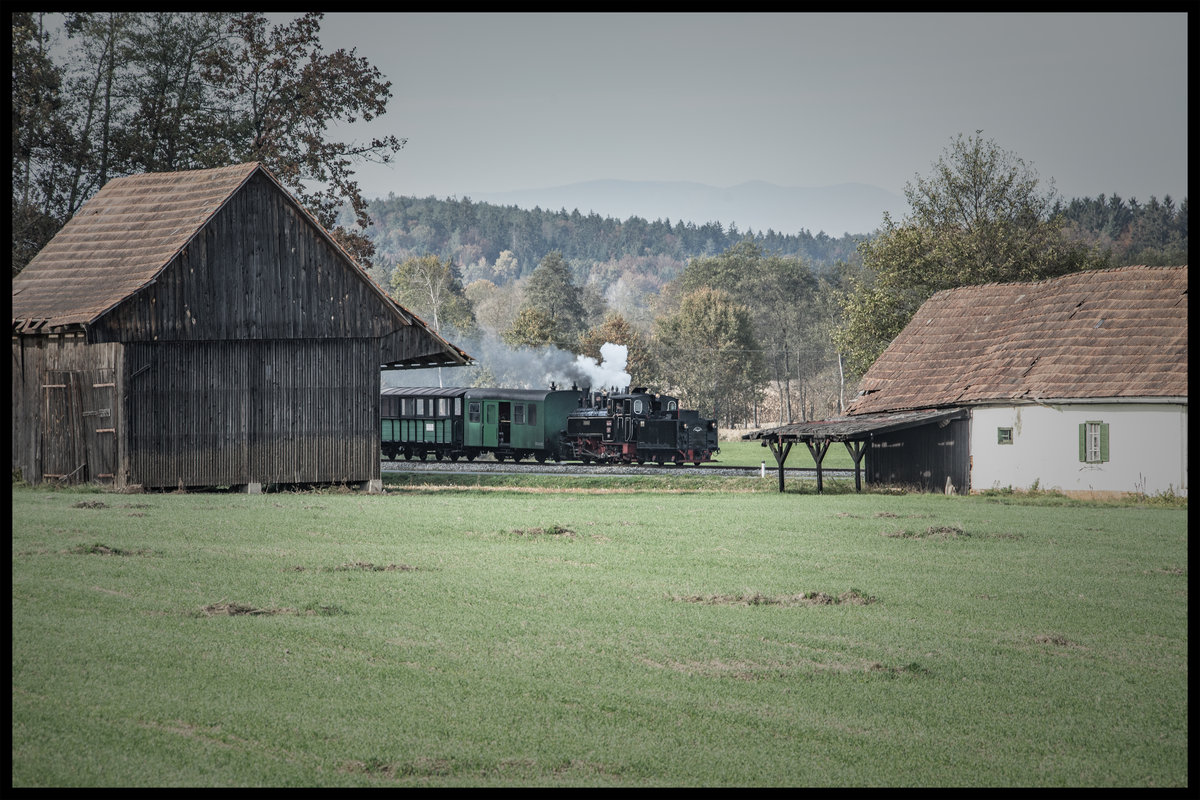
x=852, y=597
x=90, y=504
x=552, y=530
x=367, y=566
x=103, y=550
x=932, y=532
x=224, y=609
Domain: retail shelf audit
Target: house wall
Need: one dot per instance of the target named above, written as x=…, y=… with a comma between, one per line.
x=1147, y=448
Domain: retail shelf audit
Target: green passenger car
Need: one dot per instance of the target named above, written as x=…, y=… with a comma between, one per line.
x=517, y=423
x=421, y=422
x=453, y=423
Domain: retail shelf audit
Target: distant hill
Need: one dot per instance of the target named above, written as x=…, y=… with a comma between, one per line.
x=854, y=208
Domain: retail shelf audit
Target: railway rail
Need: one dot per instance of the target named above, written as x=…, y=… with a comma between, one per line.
x=712, y=469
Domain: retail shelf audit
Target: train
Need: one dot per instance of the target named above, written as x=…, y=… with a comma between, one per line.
x=555, y=424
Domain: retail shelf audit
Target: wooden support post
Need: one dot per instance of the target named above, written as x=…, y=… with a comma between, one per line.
x=857, y=449
x=780, y=450
x=818, y=454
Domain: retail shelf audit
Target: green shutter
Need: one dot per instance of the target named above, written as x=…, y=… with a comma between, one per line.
x=1083, y=441
x=1104, y=441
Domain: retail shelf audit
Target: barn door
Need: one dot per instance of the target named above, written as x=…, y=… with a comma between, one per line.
x=78, y=426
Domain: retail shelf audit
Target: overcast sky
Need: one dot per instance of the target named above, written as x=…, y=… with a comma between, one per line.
x=499, y=102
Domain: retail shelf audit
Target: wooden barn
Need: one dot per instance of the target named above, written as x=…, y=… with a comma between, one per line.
x=1078, y=384
x=201, y=329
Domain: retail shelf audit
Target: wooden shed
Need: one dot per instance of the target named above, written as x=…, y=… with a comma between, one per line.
x=202, y=329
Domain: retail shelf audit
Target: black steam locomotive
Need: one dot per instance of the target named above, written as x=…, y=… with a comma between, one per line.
x=555, y=424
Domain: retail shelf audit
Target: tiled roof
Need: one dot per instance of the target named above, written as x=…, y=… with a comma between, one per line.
x=1095, y=334
x=118, y=242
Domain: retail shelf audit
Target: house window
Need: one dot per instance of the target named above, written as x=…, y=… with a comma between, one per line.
x=1093, y=442
x=1004, y=436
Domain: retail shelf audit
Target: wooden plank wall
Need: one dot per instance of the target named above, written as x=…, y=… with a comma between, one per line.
x=68, y=378
x=923, y=456
x=258, y=270
x=269, y=412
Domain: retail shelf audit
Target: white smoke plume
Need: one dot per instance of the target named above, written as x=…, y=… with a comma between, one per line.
x=526, y=368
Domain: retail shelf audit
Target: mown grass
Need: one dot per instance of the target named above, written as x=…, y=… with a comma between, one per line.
x=569, y=633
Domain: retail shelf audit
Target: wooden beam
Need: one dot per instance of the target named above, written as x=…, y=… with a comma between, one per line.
x=818, y=454
x=780, y=450
x=857, y=449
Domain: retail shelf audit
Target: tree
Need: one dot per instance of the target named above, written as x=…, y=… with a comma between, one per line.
x=431, y=288
x=707, y=353
x=535, y=328
x=280, y=91
x=140, y=92
x=36, y=124
x=550, y=291
x=980, y=217
x=789, y=325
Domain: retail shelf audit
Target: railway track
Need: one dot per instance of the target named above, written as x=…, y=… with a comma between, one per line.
x=482, y=467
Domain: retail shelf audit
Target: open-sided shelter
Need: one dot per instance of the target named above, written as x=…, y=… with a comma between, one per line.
x=201, y=328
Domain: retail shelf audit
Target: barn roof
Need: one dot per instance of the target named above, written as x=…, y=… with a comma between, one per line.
x=128, y=233
x=1116, y=333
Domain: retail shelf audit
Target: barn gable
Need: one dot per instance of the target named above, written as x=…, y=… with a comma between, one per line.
x=213, y=254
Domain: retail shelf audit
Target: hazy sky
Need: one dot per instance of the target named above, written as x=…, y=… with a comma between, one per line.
x=498, y=102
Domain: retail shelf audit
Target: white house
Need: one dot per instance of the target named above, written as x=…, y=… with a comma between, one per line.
x=1078, y=383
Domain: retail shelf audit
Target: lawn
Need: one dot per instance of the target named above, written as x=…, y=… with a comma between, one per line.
x=611, y=633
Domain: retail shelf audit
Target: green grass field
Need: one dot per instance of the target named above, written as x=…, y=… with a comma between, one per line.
x=609, y=633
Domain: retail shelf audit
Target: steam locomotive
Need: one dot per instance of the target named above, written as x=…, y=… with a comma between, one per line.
x=554, y=424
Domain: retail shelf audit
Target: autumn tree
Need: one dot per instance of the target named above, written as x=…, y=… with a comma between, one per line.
x=790, y=327
x=431, y=288
x=155, y=91
x=279, y=92
x=707, y=354
x=533, y=327
x=981, y=216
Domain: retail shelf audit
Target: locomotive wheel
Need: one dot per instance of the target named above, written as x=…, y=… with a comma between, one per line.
x=453, y=456
x=470, y=456
x=499, y=456
x=407, y=455
x=541, y=458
